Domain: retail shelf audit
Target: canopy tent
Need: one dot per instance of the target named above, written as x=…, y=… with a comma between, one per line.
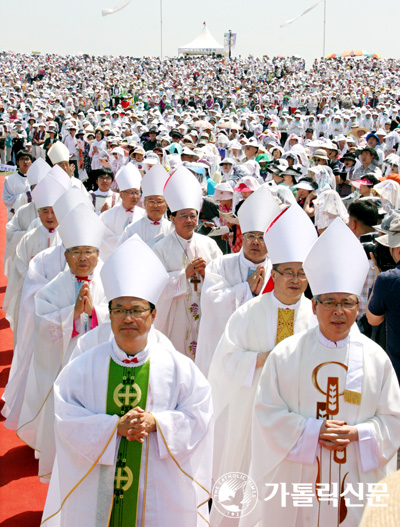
x=203, y=44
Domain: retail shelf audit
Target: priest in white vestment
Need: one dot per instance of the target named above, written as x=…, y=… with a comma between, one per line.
x=133, y=417
x=68, y=306
x=43, y=267
x=59, y=155
x=128, y=211
x=25, y=214
x=185, y=255
x=16, y=183
x=233, y=279
x=327, y=412
x=154, y=226
x=44, y=195
x=250, y=335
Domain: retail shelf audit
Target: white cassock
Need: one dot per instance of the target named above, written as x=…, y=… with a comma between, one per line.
x=55, y=336
x=178, y=309
x=42, y=269
x=179, y=398
x=115, y=221
x=15, y=229
x=149, y=231
x=29, y=246
x=234, y=377
x=290, y=407
x=225, y=288
x=14, y=184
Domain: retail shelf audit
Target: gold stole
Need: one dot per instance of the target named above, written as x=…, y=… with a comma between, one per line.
x=285, y=326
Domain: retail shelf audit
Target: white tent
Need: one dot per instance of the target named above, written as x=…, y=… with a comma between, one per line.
x=203, y=44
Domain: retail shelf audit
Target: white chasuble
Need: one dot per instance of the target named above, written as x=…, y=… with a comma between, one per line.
x=225, y=289
x=303, y=383
x=234, y=377
x=174, y=483
x=55, y=336
x=178, y=309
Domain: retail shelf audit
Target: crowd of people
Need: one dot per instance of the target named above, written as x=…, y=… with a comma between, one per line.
x=203, y=263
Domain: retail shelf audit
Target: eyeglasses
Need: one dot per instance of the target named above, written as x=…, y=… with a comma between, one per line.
x=290, y=275
x=75, y=253
x=154, y=203
x=347, y=303
x=131, y=192
x=135, y=312
x=253, y=237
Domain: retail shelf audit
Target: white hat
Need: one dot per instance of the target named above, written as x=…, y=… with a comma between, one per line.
x=133, y=269
x=68, y=201
x=81, y=227
x=223, y=191
x=48, y=190
x=258, y=210
x=128, y=177
x=37, y=171
x=183, y=191
x=290, y=236
x=337, y=262
x=58, y=153
x=58, y=173
x=153, y=182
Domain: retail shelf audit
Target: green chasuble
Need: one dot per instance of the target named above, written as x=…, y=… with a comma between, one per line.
x=127, y=389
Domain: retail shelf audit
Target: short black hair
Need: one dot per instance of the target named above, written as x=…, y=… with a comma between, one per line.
x=152, y=306
x=22, y=153
x=364, y=211
x=103, y=171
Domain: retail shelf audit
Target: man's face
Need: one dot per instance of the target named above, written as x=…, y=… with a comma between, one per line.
x=24, y=162
x=254, y=248
x=48, y=218
x=155, y=206
x=130, y=197
x=334, y=320
x=82, y=260
x=152, y=136
x=65, y=166
x=185, y=222
x=366, y=158
x=250, y=151
x=372, y=142
x=131, y=330
x=290, y=282
x=104, y=182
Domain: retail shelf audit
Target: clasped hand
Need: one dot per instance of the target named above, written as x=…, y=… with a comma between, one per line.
x=136, y=424
x=337, y=435
x=84, y=302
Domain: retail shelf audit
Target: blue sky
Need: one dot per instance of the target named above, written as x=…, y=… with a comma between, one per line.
x=76, y=26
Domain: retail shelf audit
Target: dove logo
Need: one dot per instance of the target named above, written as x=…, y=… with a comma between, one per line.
x=234, y=495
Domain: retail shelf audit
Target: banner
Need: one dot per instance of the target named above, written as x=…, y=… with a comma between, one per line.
x=118, y=7
x=226, y=41
x=302, y=14
x=7, y=168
